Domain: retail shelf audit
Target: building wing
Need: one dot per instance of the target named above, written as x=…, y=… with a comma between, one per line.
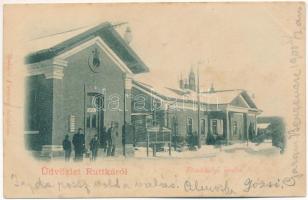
x=234, y=98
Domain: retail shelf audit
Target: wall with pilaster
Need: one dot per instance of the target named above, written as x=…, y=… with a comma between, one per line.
x=39, y=110
x=109, y=81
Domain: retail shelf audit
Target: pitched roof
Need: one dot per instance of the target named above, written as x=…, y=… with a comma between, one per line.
x=221, y=96
x=50, y=46
x=216, y=97
x=163, y=92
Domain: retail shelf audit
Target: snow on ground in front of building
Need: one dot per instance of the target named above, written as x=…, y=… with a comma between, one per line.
x=207, y=151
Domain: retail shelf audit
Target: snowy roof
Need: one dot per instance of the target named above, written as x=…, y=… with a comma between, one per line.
x=222, y=97
x=154, y=86
x=168, y=93
x=48, y=41
x=50, y=46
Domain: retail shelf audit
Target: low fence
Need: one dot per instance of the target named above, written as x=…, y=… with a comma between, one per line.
x=158, y=137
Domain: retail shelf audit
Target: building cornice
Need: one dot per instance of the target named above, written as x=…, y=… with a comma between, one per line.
x=51, y=69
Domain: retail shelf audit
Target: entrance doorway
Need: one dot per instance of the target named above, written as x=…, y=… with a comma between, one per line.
x=94, y=123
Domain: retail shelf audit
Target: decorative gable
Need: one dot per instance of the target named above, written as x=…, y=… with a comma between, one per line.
x=105, y=32
x=239, y=101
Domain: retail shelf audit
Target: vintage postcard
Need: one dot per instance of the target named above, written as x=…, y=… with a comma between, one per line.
x=154, y=100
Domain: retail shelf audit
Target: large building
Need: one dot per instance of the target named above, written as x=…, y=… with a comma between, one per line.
x=229, y=115
x=85, y=78
x=77, y=80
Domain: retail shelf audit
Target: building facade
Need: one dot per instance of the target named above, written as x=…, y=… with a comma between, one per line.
x=86, y=79
x=79, y=82
x=225, y=117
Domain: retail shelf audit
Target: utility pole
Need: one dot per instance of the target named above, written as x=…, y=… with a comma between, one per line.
x=124, y=116
x=198, y=99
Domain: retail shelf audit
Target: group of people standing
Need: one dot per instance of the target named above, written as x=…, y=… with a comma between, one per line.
x=108, y=140
x=79, y=146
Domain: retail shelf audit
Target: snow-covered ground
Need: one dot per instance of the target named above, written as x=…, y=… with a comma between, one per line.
x=206, y=151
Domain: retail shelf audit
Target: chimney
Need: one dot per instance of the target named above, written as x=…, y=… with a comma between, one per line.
x=128, y=37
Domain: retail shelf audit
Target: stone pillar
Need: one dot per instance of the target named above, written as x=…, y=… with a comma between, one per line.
x=128, y=96
x=58, y=119
x=246, y=123
x=53, y=71
x=128, y=149
x=56, y=73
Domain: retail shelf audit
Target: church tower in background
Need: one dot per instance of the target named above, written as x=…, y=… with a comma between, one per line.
x=192, y=80
x=188, y=83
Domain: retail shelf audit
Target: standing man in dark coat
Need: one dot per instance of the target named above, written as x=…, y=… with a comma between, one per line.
x=79, y=144
x=103, y=139
x=94, y=145
x=67, y=146
x=109, y=140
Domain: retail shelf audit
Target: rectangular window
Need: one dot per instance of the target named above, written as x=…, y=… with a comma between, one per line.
x=88, y=121
x=217, y=126
x=155, y=120
x=203, y=126
x=214, y=127
x=94, y=120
